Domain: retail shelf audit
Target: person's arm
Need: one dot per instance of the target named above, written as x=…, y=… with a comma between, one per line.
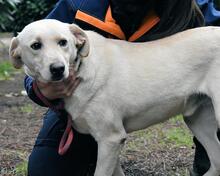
x=28, y=85
x=64, y=11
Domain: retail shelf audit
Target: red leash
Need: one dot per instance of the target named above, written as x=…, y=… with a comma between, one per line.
x=68, y=135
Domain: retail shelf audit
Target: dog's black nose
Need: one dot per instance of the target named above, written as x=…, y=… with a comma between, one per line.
x=57, y=70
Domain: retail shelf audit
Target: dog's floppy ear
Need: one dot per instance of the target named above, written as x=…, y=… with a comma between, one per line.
x=15, y=53
x=82, y=42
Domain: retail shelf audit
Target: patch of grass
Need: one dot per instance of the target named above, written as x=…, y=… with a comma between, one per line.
x=28, y=108
x=6, y=69
x=177, y=120
x=14, y=163
x=172, y=133
x=178, y=134
x=179, y=137
x=21, y=169
x=146, y=140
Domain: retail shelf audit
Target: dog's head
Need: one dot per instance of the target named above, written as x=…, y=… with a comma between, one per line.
x=47, y=48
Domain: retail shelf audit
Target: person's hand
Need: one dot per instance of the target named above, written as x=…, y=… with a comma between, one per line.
x=62, y=89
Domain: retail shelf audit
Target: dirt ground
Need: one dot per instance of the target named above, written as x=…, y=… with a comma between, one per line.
x=146, y=153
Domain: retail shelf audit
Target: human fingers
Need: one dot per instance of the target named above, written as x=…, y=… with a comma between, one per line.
x=72, y=87
x=41, y=84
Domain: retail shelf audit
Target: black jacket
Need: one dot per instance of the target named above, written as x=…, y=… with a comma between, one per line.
x=175, y=16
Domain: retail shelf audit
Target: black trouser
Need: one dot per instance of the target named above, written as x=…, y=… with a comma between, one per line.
x=45, y=160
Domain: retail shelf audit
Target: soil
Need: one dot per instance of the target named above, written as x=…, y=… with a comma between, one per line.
x=21, y=119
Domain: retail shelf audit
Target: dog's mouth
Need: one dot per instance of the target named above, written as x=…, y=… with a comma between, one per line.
x=57, y=78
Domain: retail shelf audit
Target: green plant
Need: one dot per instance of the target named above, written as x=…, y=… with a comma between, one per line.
x=16, y=14
x=7, y=7
x=28, y=11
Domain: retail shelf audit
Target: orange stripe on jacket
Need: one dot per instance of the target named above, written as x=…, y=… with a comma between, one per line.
x=107, y=26
x=148, y=23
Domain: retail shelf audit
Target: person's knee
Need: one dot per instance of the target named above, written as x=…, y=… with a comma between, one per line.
x=44, y=161
x=79, y=159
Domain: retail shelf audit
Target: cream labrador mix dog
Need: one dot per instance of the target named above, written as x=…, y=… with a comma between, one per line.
x=128, y=86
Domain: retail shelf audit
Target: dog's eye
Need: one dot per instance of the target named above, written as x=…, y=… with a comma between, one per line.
x=36, y=46
x=62, y=42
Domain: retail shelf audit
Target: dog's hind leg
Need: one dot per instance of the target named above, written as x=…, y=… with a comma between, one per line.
x=204, y=126
x=212, y=87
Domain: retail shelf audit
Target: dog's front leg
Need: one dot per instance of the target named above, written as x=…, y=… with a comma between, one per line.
x=118, y=169
x=107, y=158
x=108, y=152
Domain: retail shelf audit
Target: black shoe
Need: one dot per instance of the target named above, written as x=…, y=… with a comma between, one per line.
x=201, y=162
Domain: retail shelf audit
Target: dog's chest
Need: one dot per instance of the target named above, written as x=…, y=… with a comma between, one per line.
x=75, y=107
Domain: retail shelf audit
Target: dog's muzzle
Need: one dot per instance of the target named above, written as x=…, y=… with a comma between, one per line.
x=57, y=71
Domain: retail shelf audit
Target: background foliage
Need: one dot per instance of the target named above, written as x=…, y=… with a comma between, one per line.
x=7, y=8
x=15, y=14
